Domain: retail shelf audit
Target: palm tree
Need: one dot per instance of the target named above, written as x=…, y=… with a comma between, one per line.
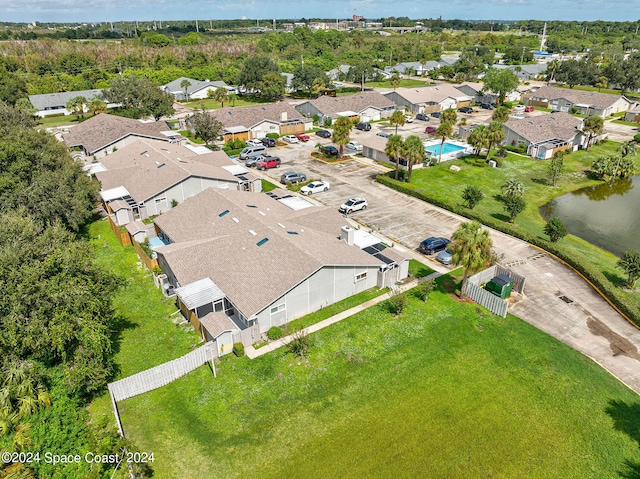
x=397, y=119
x=444, y=131
x=593, y=126
x=394, y=80
x=413, y=153
x=341, y=130
x=232, y=97
x=478, y=138
x=552, y=68
x=394, y=149
x=628, y=148
x=471, y=248
x=219, y=95
x=512, y=187
x=602, y=82
x=500, y=114
x=185, y=84
x=449, y=116
x=96, y=105
x=495, y=135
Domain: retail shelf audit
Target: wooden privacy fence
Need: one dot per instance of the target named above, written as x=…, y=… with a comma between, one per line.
x=150, y=263
x=493, y=303
x=123, y=236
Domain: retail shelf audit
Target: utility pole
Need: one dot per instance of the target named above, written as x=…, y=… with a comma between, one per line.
x=522, y=56
x=362, y=80
x=197, y=28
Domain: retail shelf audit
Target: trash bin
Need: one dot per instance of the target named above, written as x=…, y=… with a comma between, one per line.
x=500, y=285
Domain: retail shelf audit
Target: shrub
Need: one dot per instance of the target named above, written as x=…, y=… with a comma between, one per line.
x=636, y=138
x=238, y=349
x=275, y=136
x=328, y=121
x=472, y=195
x=157, y=270
x=174, y=203
x=424, y=288
x=316, y=119
x=274, y=333
x=299, y=346
x=397, y=302
x=555, y=229
x=502, y=152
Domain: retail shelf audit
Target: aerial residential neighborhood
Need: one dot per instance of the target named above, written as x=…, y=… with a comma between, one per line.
x=391, y=243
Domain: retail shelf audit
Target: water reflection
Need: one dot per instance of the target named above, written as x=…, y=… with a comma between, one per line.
x=607, y=215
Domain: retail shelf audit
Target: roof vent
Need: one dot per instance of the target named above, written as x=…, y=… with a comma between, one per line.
x=253, y=233
x=236, y=220
x=280, y=225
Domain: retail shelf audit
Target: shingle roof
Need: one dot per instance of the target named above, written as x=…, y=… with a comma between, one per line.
x=224, y=246
x=103, y=130
x=541, y=128
x=581, y=97
x=360, y=101
x=196, y=85
x=147, y=167
x=217, y=323
x=60, y=99
x=252, y=115
x=431, y=94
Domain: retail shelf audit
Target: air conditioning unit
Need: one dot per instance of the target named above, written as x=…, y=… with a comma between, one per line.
x=168, y=290
x=161, y=280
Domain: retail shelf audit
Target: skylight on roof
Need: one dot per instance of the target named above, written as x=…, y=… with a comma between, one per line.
x=223, y=213
x=292, y=232
x=144, y=152
x=251, y=206
x=280, y=225
x=253, y=233
x=236, y=220
x=262, y=241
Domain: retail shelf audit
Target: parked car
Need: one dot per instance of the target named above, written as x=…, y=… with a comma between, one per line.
x=518, y=109
x=330, y=150
x=465, y=109
x=431, y=130
x=354, y=145
x=445, y=256
x=292, y=177
x=433, y=245
x=486, y=106
x=315, y=187
x=363, y=126
x=268, y=162
x=422, y=117
x=529, y=109
x=408, y=119
x=253, y=161
x=290, y=139
x=254, y=143
x=268, y=142
x=252, y=150
x=323, y=133
x=436, y=114
x=383, y=134
x=303, y=137
x=353, y=204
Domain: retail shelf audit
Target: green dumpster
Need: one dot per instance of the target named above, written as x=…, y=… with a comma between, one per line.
x=500, y=285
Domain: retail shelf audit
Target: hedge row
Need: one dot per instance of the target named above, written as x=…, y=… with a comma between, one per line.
x=579, y=262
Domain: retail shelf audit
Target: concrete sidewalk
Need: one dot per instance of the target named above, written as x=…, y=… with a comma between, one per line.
x=253, y=353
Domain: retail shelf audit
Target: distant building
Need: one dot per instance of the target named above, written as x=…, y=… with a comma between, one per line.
x=197, y=90
x=585, y=102
x=368, y=106
x=48, y=104
x=357, y=18
x=429, y=99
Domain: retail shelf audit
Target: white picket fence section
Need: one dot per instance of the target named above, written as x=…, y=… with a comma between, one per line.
x=161, y=375
x=490, y=301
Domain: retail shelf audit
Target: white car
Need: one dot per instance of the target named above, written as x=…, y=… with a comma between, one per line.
x=353, y=204
x=354, y=145
x=254, y=143
x=290, y=139
x=518, y=109
x=408, y=118
x=315, y=187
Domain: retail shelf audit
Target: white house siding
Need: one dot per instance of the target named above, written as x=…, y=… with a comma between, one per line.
x=327, y=286
x=261, y=129
x=308, y=109
x=370, y=114
x=374, y=154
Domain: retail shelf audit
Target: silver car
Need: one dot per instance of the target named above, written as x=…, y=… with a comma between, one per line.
x=444, y=256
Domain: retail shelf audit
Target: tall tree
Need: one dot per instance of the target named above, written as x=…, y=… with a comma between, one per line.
x=470, y=248
x=593, y=126
x=254, y=69
x=397, y=119
x=140, y=96
x=341, y=131
x=500, y=114
x=555, y=229
x=271, y=86
x=556, y=167
x=96, y=105
x=449, y=116
x=205, y=126
x=76, y=106
x=413, y=153
x=501, y=82
x=394, y=80
x=185, y=84
x=394, y=149
x=220, y=95
x=630, y=264
x=304, y=77
x=495, y=135
x=444, y=131
x=478, y=138
x=514, y=205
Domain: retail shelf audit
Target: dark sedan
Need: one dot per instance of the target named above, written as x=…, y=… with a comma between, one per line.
x=433, y=245
x=465, y=109
x=330, y=150
x=422, y=117
x=323, y=133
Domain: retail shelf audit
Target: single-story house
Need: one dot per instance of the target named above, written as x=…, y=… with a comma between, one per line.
x=543, y=135
x=632, y=115
x=585, y=102
x=56, y=103
x=429, y=99
x=480, y=95
x=416, y=68
x=369, y=106
x=373, y=148
x=264, y=264
x=148, y=177
x=103, y=134
x=243, y=123
x=529, y=71
x=197, y=90
x=339, y=73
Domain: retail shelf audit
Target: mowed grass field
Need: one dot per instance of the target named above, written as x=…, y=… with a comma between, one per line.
x=444, y=390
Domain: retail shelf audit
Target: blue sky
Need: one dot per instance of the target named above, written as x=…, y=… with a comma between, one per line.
x=115, y=10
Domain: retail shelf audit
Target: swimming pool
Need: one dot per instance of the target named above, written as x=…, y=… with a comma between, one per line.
x=156, y=242
x=447, y=148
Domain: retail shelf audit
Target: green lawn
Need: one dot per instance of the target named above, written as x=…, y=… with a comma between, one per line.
x=404, y=83
x=440, y=391
x=445, y=185
x=56, y=121
x=416, y=268
x=214, y=105
x=267, y=186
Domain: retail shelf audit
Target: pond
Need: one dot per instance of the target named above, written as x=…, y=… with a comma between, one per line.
x=606, y=215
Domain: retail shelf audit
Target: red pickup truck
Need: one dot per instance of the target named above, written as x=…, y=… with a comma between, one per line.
x=268, y=162
x=302, y=137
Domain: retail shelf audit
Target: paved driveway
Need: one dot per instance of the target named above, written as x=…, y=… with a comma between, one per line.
x=586, y=322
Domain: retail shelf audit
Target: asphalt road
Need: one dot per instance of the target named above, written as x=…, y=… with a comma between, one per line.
x=587, y=322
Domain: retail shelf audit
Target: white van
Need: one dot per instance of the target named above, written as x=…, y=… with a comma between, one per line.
x=253, y=150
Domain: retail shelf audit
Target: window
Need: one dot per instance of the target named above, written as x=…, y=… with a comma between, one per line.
x=160, y=200
x=277, y=309
x=218, y=306
x=361, y=276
